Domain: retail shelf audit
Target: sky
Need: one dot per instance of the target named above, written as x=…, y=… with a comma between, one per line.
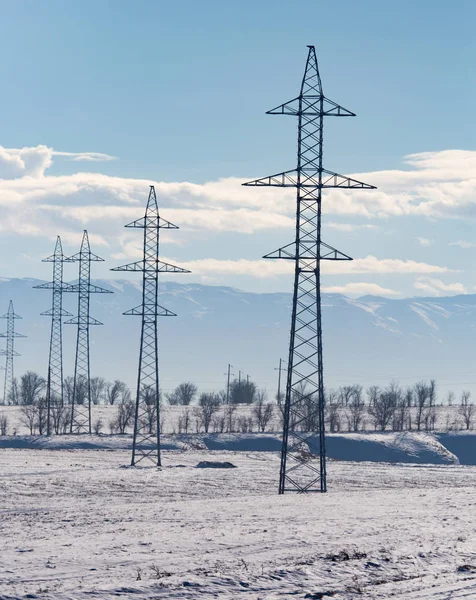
x=102, y=98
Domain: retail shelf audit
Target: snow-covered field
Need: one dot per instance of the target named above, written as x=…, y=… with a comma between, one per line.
x=81, y=524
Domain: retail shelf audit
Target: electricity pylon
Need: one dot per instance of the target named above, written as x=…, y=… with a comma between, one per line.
x=54, y=381
x=10, y=353
x=81, y=401
x=146, y=441
x=305, y=402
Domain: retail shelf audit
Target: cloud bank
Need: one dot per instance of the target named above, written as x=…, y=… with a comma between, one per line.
x=35, y=203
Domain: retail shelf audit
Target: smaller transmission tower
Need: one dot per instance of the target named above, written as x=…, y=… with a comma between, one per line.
x=146, y=442
x=54, y=381
x=81, y=406
x=10, y=353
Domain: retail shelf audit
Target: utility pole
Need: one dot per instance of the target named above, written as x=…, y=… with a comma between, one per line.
x=305, y=378
x=10, y=353
x=228, y=384
x=279, y=369
x=146, y=443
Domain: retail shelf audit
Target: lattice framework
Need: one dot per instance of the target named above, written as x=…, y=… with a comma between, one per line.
x=81, y=402
x=146, y=440
x=54, y=380
x=304, y=417
x=10, y=353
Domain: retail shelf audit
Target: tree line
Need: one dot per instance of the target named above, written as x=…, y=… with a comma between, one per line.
x=348, y=408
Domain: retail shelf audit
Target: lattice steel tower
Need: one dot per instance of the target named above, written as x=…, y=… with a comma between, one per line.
x=10, y=353
x=54, y=381
x=146, y=441
x=81, y=402
x=304, y=426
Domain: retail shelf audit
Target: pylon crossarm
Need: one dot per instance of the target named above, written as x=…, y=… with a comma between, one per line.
x=284, y=179
x=151, y=222
x=159, y=311
x=309, y=179
x=311, y=106
x=334, y=180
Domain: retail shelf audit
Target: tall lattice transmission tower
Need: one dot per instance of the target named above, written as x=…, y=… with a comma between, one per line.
x=10, y=353
x=304, y=427
x=54, y=381
x=81, y=401
x=146, y=441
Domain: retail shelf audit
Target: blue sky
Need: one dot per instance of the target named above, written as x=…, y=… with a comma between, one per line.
x=176, y=93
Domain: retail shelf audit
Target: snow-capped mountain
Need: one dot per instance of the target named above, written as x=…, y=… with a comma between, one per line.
x=366, y=340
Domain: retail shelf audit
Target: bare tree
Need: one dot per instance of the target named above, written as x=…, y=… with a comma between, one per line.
x=61, y=418
x=346, y=393
x=408, y=403
x=35, y=416
x=28, y=417
x=432, y=393
x=308, y=412
x=467, y=409
x=124, y=415
x=98, y=388
x=230, y=410
x=262, y=410
x=421, y=395
x=117, y=392
x=184, y=394
x=3, y=424
x=381, y=406
x=208, y=405
x=401, y=415
x=68, y=386
x=218, y=422
x=14, y=393
x=31, y=385
x=184, y=421
x=81, y=390
x=450, y=398
x=149, y=416
x=356, y=408
x=97, y=426
x=333, y=405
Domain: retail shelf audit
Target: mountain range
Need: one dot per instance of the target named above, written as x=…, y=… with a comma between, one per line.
x=369, y=340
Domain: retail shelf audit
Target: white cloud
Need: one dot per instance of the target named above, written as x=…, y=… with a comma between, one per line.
x=463, y=244
x=32, y=202
x=349, y=226
x=424, y=241
x=31, y=162
x=436, y=287
x=360, y=289
x=85, y=156
x=437, y=184
x=273, y=268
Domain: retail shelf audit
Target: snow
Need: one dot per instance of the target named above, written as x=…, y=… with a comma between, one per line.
x=81, y=524
x=404, y=447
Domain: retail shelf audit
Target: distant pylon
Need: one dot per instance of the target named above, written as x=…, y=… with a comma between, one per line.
x=54, y=381
x=10, y=353
x=304, y=426
x=81, y=402
x=146, y=441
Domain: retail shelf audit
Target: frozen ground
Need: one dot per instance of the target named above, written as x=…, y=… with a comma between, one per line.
x=77, y=524
x=392, y=447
